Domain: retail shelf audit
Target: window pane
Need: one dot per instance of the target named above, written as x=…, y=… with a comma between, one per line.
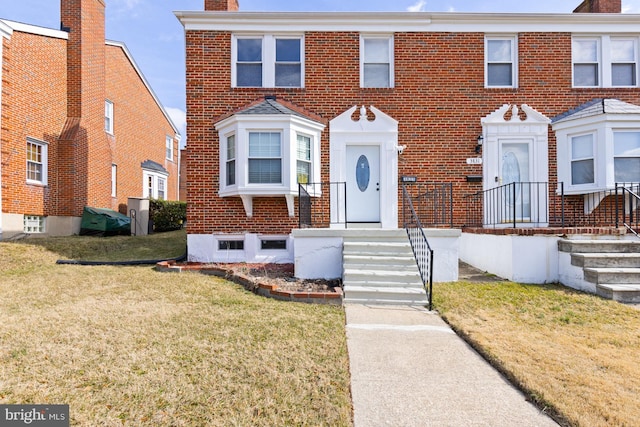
x=582, y=147
x=626, y=144
x=231, y=172
x=376, y=50
x=231, y=147
x=585, y=74
x=264, y=144
x=303, y=171
x=627, y=169
x=376, y=75
x=288, y=75
x=249, y=75
x=623, y=51
x=582, y=172
x=265, y=171
x=499, y=51
x=288, y=50
x=161, y=185
x=250, y=50
x=500, y=75
x=623, y=74
x=585, y=51
x=304, y=148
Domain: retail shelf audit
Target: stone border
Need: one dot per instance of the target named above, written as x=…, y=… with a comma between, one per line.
x=253, y=285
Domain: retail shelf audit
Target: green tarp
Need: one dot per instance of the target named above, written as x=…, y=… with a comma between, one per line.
x=104, y=222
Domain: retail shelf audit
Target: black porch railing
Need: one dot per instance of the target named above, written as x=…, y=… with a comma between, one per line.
x=510, y=205
x=630, y=206
x=315, y=211
x=422, y=252
x=432, y=202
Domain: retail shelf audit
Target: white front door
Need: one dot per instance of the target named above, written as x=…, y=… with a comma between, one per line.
x=514, y=168
x=363, y=183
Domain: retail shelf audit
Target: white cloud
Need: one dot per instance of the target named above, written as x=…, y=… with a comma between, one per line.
x=631, y=6
x=179, y=118
x=418, y=7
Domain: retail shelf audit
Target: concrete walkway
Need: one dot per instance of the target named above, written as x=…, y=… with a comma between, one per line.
x=408, y=368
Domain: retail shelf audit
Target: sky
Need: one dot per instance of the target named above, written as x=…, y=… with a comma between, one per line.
x=155, y=37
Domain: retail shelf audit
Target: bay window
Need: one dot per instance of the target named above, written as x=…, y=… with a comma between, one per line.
x=582, y=162
x=265, y=158
x=626, y=161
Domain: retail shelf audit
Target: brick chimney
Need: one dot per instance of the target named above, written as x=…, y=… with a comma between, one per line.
x=599, y=6
x=221, y=5
x=84, y=152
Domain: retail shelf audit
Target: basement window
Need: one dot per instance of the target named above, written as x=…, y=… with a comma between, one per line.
x=231, y=245
x=273, y=245
x=33, y=224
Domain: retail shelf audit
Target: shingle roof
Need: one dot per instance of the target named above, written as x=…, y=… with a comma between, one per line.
x=153, y=166
x=270, y=106
x=598, y=106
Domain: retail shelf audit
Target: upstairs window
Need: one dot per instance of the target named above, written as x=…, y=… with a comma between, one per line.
x=169, y=147
x=376, y=62
x=582, y=162
x=108, y=116
x=605, y=61
x=268, y=61
x=626, y=161
x=265, y=158
x=500, y=62
x=36, y=161
x=623, y=62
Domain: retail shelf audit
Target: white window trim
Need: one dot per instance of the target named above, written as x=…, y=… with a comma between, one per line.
x=605, y=79
x=169, y=147
x=108, y=114
x=514, y=60
x=227, y=160
x=594, y=158
x=289, y=127
x=156, y=176
x=388, y=37
x=268, y=58
x=614, y=131
x=45, y=162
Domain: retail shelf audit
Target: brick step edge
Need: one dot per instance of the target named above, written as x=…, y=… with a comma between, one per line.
x=255, y=286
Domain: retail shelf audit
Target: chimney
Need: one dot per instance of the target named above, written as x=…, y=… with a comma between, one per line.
x=221, y=5
x=599, y=6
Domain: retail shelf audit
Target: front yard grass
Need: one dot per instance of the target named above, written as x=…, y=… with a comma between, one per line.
x=131, y=346
x=576, y=354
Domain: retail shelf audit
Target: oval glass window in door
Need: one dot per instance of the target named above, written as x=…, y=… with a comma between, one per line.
x=363, y=173
x=510, y=168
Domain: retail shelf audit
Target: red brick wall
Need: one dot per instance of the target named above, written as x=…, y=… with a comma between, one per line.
x=221, y=5
x=438, y=99
x=599, y=6
x=140, y=129
x=34, y=105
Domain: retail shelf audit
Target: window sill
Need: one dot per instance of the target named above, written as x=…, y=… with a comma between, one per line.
x=37, y=184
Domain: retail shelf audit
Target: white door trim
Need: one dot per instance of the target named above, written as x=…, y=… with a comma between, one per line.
x=382, y=131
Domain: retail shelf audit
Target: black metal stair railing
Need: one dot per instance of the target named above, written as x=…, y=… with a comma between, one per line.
x=422, y=251
x=630, y=198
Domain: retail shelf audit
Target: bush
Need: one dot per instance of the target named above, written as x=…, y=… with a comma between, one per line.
x=167, y=215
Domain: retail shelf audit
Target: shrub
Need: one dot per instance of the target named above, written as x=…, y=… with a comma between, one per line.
x=167, y=215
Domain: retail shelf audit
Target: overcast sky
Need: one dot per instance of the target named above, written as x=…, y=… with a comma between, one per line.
x=154, y=36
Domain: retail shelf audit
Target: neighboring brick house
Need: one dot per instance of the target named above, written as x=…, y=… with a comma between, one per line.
x=276, y=99
x=80, y=125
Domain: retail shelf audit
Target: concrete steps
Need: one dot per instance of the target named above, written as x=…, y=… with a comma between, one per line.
x=613, y=266
x=379, y=268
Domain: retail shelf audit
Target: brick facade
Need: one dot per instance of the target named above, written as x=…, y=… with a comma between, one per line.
x=55, y=84
x=439, y=99
x=599, y=6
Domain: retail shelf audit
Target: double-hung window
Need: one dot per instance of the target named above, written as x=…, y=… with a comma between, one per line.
x=108, y=116
x=376, y=61
x=36, y=161
x=500, y=62
x=169, y=147
x=605, y=61
x=624, y=59
x=303, y=159
x=155, y=185
x=268, y=61
x=626, y=161
x=231, y=160
x=265, y=158
x=582, y=160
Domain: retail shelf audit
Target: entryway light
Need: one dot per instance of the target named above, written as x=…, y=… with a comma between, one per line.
x=479, y=145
